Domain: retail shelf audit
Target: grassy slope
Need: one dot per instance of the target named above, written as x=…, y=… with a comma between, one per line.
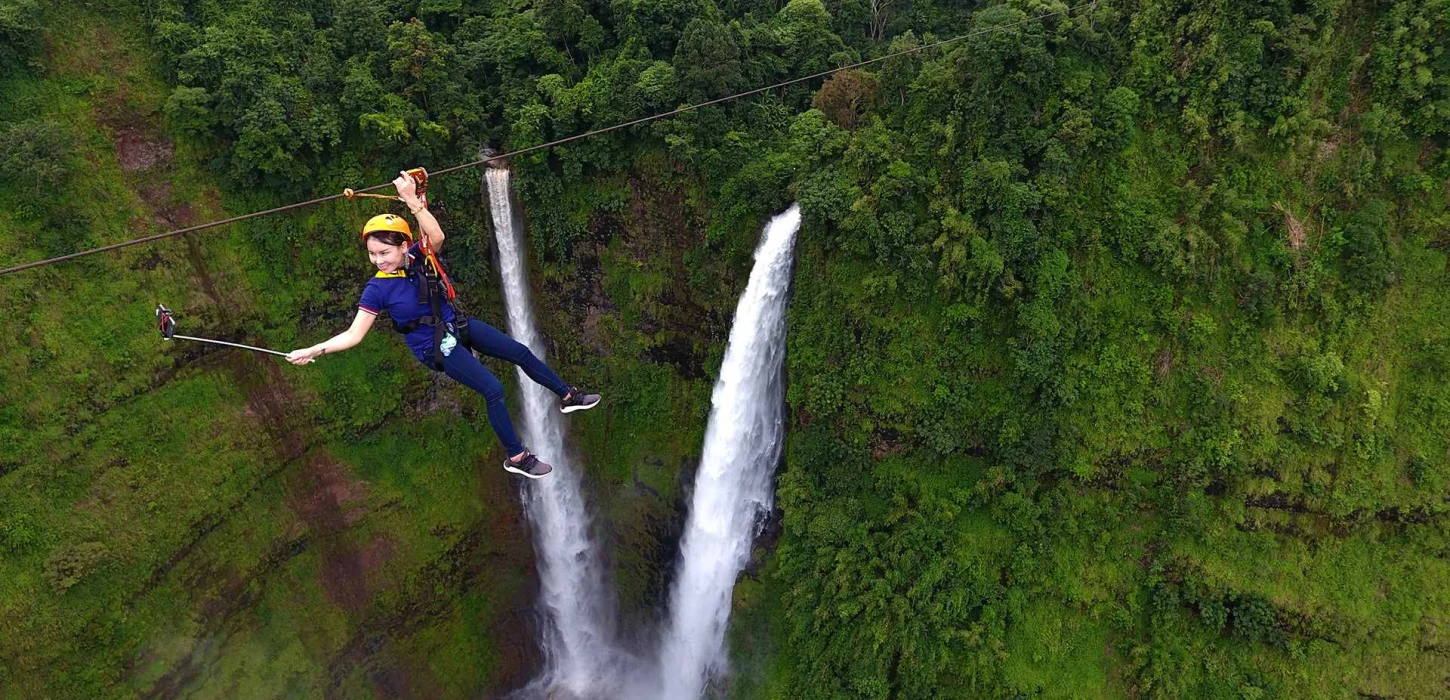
x=184, y=548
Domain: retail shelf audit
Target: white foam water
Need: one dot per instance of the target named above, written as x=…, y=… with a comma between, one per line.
x=743, y=443
x=578, y=611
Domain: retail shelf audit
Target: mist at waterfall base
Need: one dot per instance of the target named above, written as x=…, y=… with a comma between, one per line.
x=584, y=658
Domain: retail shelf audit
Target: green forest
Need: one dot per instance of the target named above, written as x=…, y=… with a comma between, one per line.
x=1118, y=348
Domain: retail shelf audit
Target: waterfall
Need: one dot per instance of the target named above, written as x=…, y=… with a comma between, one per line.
x=743, y=442
x=733, y=487
x=578, y=630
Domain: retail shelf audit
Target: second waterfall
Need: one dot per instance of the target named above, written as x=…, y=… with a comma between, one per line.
x=733, y=487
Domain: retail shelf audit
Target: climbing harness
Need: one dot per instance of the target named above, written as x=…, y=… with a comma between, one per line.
x=433, y=289
x=166, y=323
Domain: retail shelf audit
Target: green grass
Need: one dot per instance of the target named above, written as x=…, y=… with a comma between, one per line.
x=1056, y=652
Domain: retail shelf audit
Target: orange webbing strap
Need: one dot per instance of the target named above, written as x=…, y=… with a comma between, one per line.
x=432, y=261
x=352, y=194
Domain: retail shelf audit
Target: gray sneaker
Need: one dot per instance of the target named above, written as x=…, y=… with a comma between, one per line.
x=528, y=467
x=577, y=400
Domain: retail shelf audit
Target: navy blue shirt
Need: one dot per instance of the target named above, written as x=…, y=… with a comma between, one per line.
x=394, y=293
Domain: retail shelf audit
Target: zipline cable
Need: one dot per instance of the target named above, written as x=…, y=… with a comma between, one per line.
x=551, y=144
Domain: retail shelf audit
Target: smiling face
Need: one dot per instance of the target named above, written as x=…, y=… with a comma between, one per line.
x=387, y=258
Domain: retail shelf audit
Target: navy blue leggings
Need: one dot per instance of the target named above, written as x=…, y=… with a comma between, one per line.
x=465, y=368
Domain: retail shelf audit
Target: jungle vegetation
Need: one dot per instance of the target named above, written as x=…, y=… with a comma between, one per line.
x=1118, y=352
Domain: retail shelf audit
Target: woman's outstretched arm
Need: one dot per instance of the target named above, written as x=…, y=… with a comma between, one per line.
x=361, y=324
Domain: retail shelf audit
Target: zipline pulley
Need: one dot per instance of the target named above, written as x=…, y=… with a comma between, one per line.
x=420, y=176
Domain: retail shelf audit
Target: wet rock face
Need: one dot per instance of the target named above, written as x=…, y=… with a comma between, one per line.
x=627, y=300
x=682, y=353
x=646, y=540
x=139, y=148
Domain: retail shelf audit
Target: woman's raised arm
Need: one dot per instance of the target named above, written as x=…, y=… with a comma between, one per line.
x=427, y=225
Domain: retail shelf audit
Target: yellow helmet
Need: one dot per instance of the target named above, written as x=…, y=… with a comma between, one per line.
x=388, y=222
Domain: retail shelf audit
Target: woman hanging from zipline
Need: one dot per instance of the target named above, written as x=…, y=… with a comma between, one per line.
x=412, y=288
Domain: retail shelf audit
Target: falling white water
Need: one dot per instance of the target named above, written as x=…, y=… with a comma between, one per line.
x=732, y=488
x=579, y=626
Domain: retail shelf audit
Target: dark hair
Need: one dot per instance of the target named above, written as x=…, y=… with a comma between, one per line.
x=388, y=237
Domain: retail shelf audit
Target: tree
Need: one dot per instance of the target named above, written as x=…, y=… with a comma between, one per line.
x=844, y=95
x=570, y=25
x=188, y=110
x=423, y=70
x=1411, y=67
x=658, y=85
x=359, y=25
x=659, y=24
x=35, y=155
x=803, y=28
x=19, y=30
x=707, y=60
x=880, y=16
